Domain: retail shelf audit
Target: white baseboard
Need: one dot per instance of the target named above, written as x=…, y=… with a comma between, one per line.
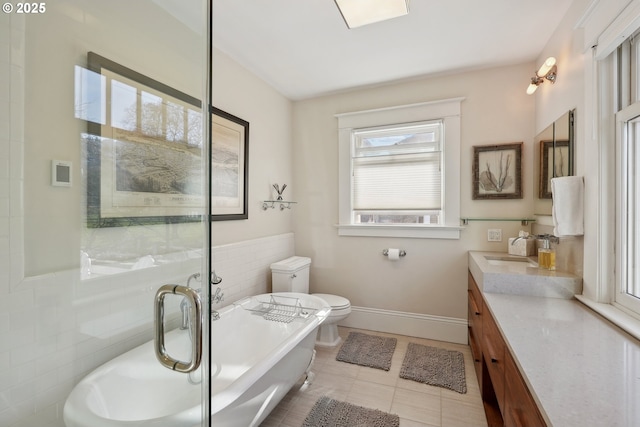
x=411, y=324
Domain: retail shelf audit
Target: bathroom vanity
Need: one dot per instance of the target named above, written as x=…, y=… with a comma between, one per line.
x=542, y=358
x=505, y=394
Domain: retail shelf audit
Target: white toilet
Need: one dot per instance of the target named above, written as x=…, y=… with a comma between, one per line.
x=292, y=275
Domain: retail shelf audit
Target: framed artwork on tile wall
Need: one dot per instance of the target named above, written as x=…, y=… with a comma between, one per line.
x=229, y=166
x=143, y=147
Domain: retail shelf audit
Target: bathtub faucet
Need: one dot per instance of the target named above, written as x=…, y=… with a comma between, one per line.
x=194, y=276
x=184, y=307
x=215, y=279
x=218, y=296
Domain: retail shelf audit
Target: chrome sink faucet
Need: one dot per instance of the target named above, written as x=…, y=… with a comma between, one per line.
x=518, y=238
x=549, y=237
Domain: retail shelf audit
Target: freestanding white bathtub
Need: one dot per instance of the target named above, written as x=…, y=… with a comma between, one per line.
x=255, y=362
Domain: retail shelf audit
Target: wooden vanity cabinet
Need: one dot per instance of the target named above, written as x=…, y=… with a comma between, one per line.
x=507, y=400
x=475, y=327
x=493, y=351
x=520, y=409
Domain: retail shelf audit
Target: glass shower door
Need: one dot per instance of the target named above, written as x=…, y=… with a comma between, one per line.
x=108, y=135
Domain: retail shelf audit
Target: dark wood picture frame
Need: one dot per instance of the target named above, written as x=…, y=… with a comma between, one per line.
x=229, y=147
x=137, y=177
x=497, y=171
x=553, y=164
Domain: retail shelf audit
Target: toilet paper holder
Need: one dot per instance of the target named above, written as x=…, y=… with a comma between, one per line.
x=385, y=252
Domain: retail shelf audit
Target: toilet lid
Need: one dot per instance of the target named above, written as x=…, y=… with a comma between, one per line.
x=334, y=301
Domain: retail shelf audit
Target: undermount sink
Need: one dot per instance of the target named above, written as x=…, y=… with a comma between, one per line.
x=509, y=260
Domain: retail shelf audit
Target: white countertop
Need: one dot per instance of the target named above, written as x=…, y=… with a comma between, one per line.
x=521, y=278
x=581, y=369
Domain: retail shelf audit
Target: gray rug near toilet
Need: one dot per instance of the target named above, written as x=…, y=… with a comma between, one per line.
x=367, y=350
x=329, y=412
x=435, y=366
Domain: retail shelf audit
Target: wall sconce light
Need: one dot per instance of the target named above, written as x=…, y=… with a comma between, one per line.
x=548, y=71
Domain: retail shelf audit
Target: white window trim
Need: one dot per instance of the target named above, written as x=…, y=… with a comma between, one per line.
x=624, y=320
x=447, y=110
x=620, y=297
x=601, y=298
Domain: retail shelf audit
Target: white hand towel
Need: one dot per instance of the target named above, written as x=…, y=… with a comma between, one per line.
x=568, y=200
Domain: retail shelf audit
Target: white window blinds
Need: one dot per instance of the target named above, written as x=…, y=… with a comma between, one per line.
x=398, y=168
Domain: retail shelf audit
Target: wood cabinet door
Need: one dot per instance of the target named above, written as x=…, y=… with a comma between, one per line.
x=475, y=334
x=520, y=409
x=493, y=351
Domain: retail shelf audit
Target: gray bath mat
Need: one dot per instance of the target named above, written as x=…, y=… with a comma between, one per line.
x=367, y=350
x=329, y=412
x=434, y=366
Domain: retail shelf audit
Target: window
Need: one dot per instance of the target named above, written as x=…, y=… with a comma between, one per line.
x=628, y=204
x=627, y=268
x=400, y=171
x=611, y=160
x=397, y=174
x=617, y=291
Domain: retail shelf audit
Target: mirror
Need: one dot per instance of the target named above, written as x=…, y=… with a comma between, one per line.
x=554, y=157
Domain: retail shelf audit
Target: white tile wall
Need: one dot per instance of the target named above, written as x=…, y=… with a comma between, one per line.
x=244, y=266
x=55, y=329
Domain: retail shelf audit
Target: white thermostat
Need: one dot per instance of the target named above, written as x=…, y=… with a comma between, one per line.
x=60, y=173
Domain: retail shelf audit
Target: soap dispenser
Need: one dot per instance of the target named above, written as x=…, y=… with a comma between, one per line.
x=546, y=255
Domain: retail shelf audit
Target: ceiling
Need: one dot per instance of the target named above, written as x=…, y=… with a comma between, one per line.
x=304, y=49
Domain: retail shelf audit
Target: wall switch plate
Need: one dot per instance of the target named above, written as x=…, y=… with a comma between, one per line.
x=494, y=235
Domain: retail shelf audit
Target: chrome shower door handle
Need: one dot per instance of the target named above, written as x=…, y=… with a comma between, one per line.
x=195, y=316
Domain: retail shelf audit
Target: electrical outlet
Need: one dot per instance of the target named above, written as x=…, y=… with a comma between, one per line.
x=494, y=235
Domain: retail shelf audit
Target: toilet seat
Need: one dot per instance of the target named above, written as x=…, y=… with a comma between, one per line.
x=336, y=302
x=328, y=335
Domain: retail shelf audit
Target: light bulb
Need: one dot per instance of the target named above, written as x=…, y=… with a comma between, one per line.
x=546, y=67
x=531, y=88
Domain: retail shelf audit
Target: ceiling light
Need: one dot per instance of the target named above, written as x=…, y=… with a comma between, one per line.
x=548, y=71
x=357, y=13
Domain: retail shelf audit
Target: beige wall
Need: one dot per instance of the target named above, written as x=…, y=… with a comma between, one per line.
x=431, y=279
x=238, y=92
x=566, y=44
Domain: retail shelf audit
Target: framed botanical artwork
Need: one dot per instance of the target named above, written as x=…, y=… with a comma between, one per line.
x=143, y=147
x=497, y=171
x=229, y=166
x=553, y=163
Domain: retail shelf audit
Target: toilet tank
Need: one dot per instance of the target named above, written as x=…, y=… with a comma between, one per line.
x=291, y=275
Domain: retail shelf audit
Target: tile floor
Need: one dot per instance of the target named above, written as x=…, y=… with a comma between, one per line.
x=418, y=405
